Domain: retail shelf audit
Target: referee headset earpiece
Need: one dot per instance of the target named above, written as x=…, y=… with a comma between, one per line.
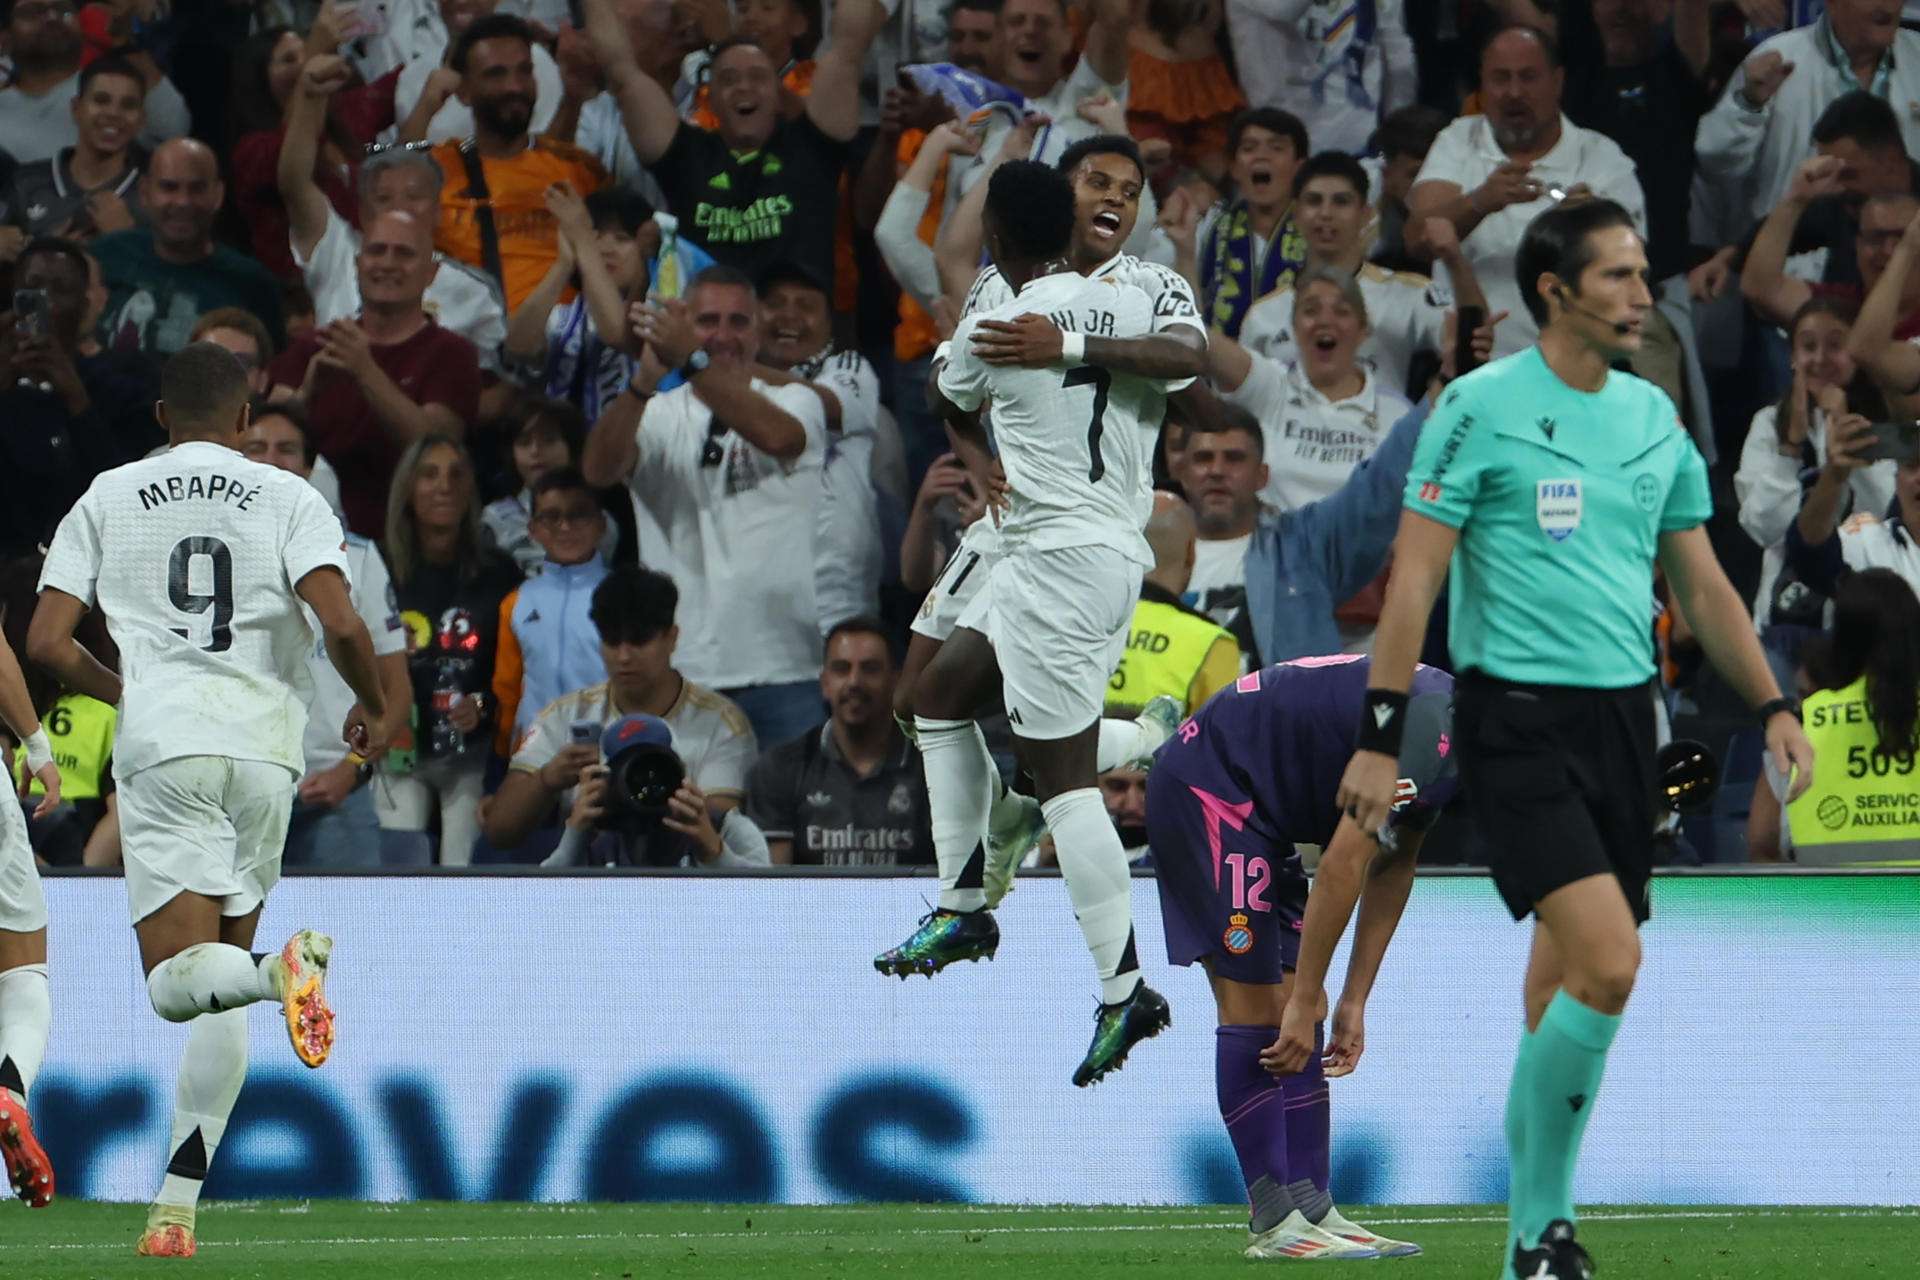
x=1620, y=327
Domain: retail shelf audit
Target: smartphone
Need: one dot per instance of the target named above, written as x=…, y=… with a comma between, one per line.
x=1467, y=320
x=1892, y=442
x=358, y=21
x=30, y=312
x=584, y=733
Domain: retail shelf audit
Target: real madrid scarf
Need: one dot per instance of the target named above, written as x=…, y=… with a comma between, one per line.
x=1230, y=280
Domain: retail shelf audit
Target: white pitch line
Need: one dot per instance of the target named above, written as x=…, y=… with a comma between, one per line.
x=1078, y=1229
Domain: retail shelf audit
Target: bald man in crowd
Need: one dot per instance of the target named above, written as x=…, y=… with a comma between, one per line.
x=375, y=383
x=1171, y=649
x=163, y=276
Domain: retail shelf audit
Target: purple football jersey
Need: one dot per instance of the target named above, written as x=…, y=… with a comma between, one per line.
x=1281, y=737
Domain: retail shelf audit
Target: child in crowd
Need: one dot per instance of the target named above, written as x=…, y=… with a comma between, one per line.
x=549, y=437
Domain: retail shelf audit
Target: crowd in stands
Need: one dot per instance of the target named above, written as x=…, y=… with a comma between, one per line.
x=609, y=344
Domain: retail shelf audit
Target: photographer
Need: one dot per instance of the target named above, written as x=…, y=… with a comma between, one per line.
x=633, y=612
x=639, y=810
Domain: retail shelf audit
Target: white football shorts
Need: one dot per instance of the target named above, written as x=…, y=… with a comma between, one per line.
x=23, y=907
x=1058, y=623
x=959, y=581
x=204, y=824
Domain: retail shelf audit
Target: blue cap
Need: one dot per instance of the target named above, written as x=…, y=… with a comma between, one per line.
x=631, y=731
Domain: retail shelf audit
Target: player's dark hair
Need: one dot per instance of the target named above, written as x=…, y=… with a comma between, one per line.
x=1410, y=131
x=863, y=624
x=559, y=480
x=1860, y=116
x=111, y=64
x=202, y=386
x=72, y=251
x=495, y=26
x=1876, y=633
x=618, y=207
x=1032, y=208
x=1331, y=164
x=1103, y=144
x=1547, y=43
x=291, y=411
x=633, y=605
x=1273, y=120
x=1560, y=241
x=1864, y=396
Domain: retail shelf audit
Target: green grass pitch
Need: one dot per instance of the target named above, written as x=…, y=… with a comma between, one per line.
x=629, y=1242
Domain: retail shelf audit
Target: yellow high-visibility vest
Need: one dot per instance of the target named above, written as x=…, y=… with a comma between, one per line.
x=1173, y=651
x=1864, y=804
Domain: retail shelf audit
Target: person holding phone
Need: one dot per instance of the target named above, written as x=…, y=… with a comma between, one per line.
x=1819, y=548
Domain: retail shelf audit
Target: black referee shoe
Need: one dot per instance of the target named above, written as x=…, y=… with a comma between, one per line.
x=1557, y=1257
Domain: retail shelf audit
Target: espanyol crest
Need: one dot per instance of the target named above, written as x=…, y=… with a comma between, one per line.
x=1557, y=508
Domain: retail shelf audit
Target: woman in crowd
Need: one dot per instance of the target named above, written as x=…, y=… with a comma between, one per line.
x=1785, y=441
x=449, y=589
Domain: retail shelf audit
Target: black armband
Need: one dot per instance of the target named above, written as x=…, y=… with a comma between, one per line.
x=1382, y=722
x=1768, y=710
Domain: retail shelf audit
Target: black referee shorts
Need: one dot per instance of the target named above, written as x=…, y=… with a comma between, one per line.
x=1559, y=782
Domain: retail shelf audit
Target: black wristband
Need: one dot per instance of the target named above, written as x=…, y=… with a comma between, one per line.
x=1768, y=710
x=1382, y=722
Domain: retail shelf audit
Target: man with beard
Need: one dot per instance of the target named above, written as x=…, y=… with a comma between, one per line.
x=1489, y=175
x=425, y=98
x=851, y=792
x=164, y=276
x=493, y=209
x=36, y=114
x=760, y=189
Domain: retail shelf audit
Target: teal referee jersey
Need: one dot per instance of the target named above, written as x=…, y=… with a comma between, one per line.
x=1560, y=497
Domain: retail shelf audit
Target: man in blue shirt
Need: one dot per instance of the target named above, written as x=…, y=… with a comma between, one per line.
x=1232, y=794
x=1553, y=485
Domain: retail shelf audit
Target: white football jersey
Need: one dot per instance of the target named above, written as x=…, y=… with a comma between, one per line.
x=1077, y=454
x=1405, y=315
x=192, y=556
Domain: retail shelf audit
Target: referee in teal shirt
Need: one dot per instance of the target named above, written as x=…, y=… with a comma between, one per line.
x=1552, y=485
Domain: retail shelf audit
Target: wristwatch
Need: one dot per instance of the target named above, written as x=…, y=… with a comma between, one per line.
x=1768, y=710
x=696, y=364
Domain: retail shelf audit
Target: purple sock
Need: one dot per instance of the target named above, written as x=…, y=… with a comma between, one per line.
x=1253, y=1104
x=1309, y=1140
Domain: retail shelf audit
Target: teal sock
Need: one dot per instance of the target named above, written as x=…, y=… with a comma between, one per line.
x=1561, y=1070
x=1516, y=1139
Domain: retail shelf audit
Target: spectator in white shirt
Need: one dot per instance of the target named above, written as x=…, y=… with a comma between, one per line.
x=1789, y=439
x=1755, y=137
x=1406, y=311
x=1327, y=413
x=726, y=476
x=1489, y=175
x=36, y=108
x=1339, y=66
x=1223, y=472
x=425, y=98
x=459, y=297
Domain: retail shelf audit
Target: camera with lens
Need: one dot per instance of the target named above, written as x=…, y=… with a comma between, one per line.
x=643, y=772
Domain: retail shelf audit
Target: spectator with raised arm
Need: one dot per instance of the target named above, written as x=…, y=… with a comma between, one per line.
x=1339, y=69
x=1778, y=296
x=36, y=113
x=163, y=275
x=726, y=475
x=375, y=383
x=1489, y=175
x=1760, y=131
x=1876, y=343
x=760, y=188
x=325, y=246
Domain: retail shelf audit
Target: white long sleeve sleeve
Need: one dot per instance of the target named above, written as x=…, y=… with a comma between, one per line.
x=897, y=236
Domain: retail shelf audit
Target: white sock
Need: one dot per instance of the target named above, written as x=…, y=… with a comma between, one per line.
x=211, y=1072
x=1124, y=740
x=1099, y=884
x=959, y=794
x=211, y=977
x=25, y=1016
